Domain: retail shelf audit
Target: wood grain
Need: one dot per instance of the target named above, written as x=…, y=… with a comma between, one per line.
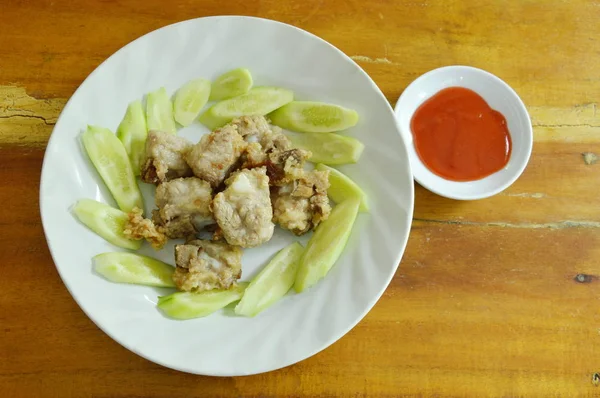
x=497, y=297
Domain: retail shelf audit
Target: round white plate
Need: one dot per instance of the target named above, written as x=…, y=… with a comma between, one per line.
x=299, y=325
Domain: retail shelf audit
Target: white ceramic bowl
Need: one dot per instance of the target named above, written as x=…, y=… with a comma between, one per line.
x=500, y=96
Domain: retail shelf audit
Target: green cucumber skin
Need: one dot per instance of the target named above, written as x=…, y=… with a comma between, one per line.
x=337, y=195
x=275, y=279
x=314, y=266
x=190, y=305
x=296, y=116
x=198, y=88
x=159, y=112
x=100, y=143
x=221, y=92
x=91, y=213
x=132, y=132
x=221, y=113
x=131, y=268
x=320, y=144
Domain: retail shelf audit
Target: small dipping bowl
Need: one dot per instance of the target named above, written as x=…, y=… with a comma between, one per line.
x=500, y=97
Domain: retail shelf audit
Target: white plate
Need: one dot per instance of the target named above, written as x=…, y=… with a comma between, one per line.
x=296, y=327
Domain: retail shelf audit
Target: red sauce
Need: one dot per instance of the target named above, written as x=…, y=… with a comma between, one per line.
x=459, y=137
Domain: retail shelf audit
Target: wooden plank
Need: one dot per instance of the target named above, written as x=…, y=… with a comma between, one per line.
x=497, y=297
x=473, y=309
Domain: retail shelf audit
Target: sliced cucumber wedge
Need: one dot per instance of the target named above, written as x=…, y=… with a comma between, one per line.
x=110, y=159
x=272, y=283
x=133, y=132
x=257, y=101
x=326, y=245
x=328, y=148
x=188, y=305
x=159, y=111
x=341, y=187
x=134, y=269
x=231, y=84
x=189, y=101
x=314, y=117
x=106, y=221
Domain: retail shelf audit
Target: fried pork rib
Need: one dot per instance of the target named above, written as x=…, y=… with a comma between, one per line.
x=268, y=146
x=203, y=265
x=183, y=207
x=243, y=210
x=137, y=227
x=165, y=157
x=302, y=204
x=216, y=155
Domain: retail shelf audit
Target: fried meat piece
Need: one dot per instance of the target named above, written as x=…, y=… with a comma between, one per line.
x=137, y=227
x=216, y=155
x=183, y=206
x=165, y=157
x=257, y=129
x=302, y=204
x=268, y=146
x=286, y=166
x=243, y=210
x=204, y=265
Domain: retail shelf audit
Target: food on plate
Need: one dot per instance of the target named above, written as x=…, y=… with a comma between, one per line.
x=231, y=84
x=341, y=187
x=257, y=101
x=159, y=111
x=257, y=130
x=165, y=157
x=302, y=204
x=132, y=132
x=243, y=210
x=235, y=184
x=189, y=305
x=284, y=167
x=112, y=163
x=328, y=148
x=183, y=207
x=268, y=146
x=106, y=221
x=189, y=101
x=137, y=227
x=326, y=245
x=216, y=155
x=205, y=265
x=272, y=283
x=134, y=269
x=314, y=117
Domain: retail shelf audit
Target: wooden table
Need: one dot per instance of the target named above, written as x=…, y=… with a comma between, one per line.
x=497, y=297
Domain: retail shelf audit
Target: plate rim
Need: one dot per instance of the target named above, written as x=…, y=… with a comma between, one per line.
x=403, y=152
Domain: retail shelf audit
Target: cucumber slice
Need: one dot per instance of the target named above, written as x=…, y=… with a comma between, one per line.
x=110, y=159
x=314, y=117
x=159, y=112
x=212, y=122
x=231, y=84
x=189, y=101
x=133, y=132
x=134, y=269
x=326, y=244
x=341, y=187
x=257, y=101
x=106, y=221
x=188, y=305
x=328, y=148
x=272, y=283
